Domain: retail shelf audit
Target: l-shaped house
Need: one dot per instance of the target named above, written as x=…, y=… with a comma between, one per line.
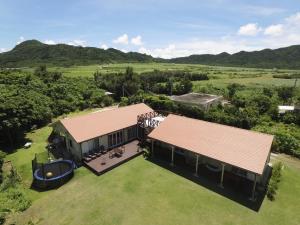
x=220, y=148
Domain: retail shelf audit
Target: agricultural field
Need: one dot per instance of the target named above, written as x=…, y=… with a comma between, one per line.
x=141, y=192
x=220, y=77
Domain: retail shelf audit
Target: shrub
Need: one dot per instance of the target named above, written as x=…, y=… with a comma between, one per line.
x=11, y=180
x=107, y=101
x=274, y=180
x=2, y=218
x=286, y=143
x=2, y=156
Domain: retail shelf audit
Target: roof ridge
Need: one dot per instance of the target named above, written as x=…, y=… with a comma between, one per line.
x=96, y=113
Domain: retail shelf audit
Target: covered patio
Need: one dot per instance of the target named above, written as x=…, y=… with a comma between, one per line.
x=113, y=158
x=226, y=155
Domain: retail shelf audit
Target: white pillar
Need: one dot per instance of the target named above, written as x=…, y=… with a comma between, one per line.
x=253, y=189
x=172, y=159
x=197, y=162
x=222, y=176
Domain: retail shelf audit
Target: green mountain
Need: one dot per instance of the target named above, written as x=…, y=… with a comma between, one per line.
x=32, y=53
x=288, y=58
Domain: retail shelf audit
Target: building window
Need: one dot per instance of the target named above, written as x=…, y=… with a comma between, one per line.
x=71, y=143
x=131, y=133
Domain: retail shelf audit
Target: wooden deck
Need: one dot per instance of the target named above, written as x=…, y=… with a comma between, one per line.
x=105, y=163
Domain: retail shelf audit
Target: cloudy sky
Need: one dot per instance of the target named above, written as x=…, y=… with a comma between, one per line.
x=162, y=28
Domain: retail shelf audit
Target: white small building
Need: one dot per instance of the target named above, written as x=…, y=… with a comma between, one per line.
x=285, y=108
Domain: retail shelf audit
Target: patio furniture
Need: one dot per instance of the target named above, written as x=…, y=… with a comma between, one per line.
x=86, y=157
x=92, y=155
x=103, y=160
x=118, y=152
x=98, y=152
x=102, y=149
x=111, y=153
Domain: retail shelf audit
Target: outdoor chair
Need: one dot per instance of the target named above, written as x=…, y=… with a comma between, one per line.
x=86, y=157
x=102, y=149
x=118, y=152
x=98, y=152
x=103, y=160
x=92, y=155
x=111, y=153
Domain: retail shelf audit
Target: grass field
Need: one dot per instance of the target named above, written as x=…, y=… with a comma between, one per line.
x=220, y=77
x=140, y=192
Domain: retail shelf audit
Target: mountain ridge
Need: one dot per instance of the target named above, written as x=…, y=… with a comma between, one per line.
x=32, y=53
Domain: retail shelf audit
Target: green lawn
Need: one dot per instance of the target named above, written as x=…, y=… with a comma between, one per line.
x=140, y=192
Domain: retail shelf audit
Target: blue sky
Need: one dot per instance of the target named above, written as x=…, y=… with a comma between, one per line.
x=165, y=28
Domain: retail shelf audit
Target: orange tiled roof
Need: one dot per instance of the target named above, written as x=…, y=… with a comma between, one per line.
x=86, y=127
x=245, y=149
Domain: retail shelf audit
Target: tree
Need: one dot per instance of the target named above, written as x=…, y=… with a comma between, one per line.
x=169, y=86
x=285, y=93
x=232, y=88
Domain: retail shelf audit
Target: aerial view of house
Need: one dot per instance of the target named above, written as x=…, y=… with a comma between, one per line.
x=150, y=112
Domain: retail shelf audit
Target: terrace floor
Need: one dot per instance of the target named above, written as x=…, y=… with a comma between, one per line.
x=105, y=163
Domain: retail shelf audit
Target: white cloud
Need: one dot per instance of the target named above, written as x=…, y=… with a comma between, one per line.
x=77, y=42
x=2, y=50
x=279, y=35
x=104, y=46
x=261, y=10
x=294, y=19
x=201, y=46
x=250, y=29
x=137, y=40
x=123, y=39
x=21, y=39
x=144, y=51
x=49, y=42
x=274, y=30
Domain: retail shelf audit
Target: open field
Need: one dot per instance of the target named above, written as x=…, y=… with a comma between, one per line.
x=220, y=77
x=140, y=192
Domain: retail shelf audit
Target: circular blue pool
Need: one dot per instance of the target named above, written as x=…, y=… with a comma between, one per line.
x=53, y=174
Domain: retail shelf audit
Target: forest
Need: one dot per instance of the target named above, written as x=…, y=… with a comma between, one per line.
x=31, y=100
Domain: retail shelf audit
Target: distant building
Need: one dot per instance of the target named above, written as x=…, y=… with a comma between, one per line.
x=285, y=108
x=205, y=101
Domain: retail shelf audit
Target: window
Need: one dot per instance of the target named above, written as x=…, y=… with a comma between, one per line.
x=131, y=133
x=71, y=144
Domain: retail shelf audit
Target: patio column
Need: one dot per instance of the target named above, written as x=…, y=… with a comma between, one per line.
x=222, y=176
x=172, y=159
x=197, y=162
x=253, y=189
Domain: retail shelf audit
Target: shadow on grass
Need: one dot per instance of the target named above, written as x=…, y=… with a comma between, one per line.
x=8, y=148
x=228, y=191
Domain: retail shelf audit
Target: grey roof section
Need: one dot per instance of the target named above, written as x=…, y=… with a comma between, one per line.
x=196, y=98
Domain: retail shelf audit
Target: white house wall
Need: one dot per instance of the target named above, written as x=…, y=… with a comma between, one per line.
x=75, y=149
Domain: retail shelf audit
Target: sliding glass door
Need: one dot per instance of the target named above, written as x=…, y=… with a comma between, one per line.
x=115, y=139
